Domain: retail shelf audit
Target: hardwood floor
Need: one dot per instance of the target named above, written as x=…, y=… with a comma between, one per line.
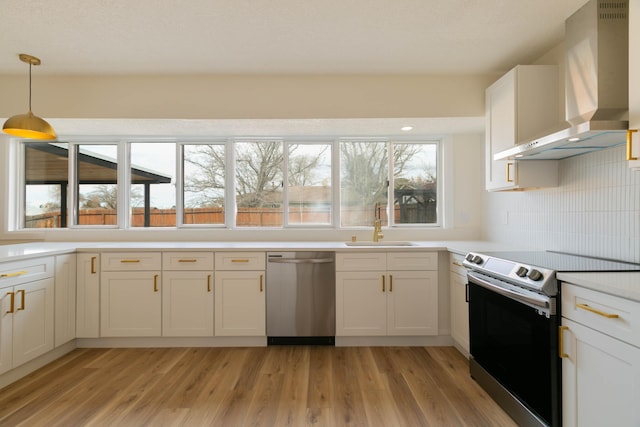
x=268, y=386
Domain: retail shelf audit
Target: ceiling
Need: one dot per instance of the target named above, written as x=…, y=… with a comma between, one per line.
x=279, y=36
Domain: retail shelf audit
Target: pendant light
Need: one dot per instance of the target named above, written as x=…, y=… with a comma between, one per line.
x=29, y=125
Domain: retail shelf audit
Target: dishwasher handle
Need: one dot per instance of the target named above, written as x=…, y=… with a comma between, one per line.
x=301, y=260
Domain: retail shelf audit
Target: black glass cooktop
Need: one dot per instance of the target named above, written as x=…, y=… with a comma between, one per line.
x=564, y=262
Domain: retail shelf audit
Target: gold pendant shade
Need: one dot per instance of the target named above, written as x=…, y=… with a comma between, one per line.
x=29, y=125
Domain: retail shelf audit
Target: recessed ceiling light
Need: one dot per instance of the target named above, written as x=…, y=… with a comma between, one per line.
x=406, y=128
x=574, y=139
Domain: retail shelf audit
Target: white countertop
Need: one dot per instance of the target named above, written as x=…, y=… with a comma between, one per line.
x=20, y=251
x=626, y=285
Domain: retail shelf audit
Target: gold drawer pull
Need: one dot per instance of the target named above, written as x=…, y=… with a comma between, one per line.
x=21, y=300
x=390, y=283
x=630, y=144
x=14, y=274
x=561, y=352
x=129, y=260
x=383, y=287
x=155, y=283
x=457, y=263
x=93, y=265
x=509, y=164
x=239, y=260
x=261, y=281
x=208, y=283
x=596, y=311
x=12, y=301
x=187, y=260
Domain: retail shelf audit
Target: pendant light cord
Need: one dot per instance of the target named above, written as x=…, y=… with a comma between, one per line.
x=30, y=87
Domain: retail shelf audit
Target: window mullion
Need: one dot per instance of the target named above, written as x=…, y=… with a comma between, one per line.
x=179, y=185
x=390, y=187
x=124, y=184
x=72, y=192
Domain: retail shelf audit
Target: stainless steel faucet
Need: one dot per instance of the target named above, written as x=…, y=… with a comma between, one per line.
x=377, y=224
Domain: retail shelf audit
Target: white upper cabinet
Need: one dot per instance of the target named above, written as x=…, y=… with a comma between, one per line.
x=633, y=146
x=521, y=105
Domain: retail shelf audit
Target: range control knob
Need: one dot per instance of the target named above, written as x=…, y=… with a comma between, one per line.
x=535, y=275
x=476, y=259
x=522, y=271
x=469, y=257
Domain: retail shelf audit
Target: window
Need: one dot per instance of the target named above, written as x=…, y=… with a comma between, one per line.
x=309, y=192
x=204, y=176
x=258, y=168
x=46, y=179
x=97, y=186
x=152, y=197
x=247, y=183
x=365, y=182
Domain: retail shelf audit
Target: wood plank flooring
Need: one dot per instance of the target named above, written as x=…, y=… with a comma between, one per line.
x=267, y=386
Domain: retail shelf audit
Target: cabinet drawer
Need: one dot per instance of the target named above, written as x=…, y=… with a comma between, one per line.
x=187, y=261
x=128, y=261
x=412, y=261
x=455, y=265
x=240, y=260
x=591, y=309
x=359, y=261
x=15, y=273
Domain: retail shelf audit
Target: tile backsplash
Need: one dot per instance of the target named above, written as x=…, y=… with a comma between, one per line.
x=594, y=211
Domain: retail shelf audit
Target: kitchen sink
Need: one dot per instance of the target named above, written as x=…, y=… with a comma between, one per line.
x=381, y=243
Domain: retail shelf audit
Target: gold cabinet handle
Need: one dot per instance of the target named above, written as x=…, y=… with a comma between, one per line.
x=21, y=300
x=390, y=283
x=14, y=274
x=155, y=283
x=239, y=260
x=187, y=260
x=12, y=300
x=457, y=263
x=93, y=265
x=208, y=283
x=383, y=283
x=261, y=281
x=596, y=311
x=130, y=260
x=509, y=172
x=561, y=352
x=630, y=144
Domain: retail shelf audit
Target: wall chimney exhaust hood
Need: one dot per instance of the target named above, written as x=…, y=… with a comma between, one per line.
x=596, y=86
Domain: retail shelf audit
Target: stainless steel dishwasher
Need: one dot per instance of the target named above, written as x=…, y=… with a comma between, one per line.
x=301, y=296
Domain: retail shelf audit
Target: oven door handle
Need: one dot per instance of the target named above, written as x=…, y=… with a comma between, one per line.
x=535, y=300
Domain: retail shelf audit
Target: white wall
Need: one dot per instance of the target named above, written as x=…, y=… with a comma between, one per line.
x=594, y=211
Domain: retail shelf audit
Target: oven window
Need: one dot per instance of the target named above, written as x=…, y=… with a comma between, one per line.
x=517, y=346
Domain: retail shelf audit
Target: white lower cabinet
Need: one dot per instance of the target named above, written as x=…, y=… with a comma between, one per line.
x=240, y=304
x=27, y=316
x=88, y=295
x=600, y=359
x=65, y=298
x=459, y=302
x=187, y=303
x=386, y=302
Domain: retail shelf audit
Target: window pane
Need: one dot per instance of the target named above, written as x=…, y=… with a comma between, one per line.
x=259, y=184
x=415, y=179
x=364, y=176
x=97, y=184
x=153, y=194
x=309, y=187
x=204, y=169
x=46, y=169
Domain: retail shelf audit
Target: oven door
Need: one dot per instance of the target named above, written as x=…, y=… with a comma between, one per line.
x=517, y=347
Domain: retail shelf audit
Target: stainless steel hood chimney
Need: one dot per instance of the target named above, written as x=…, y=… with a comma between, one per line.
x=596, y=85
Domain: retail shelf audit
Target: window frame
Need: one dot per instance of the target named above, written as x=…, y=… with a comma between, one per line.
x=17, y=218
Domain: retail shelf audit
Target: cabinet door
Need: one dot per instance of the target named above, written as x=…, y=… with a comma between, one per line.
x=634, y=81
x=7, y=309
x=88, y=296
x=240, y=303
x=65, y=298
x=600, y=379
x=130, y=304
x=33, y=320
x=500, y=130
x=361, y=303
x=459, y=310
x=187, y=303
x=412, y=303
